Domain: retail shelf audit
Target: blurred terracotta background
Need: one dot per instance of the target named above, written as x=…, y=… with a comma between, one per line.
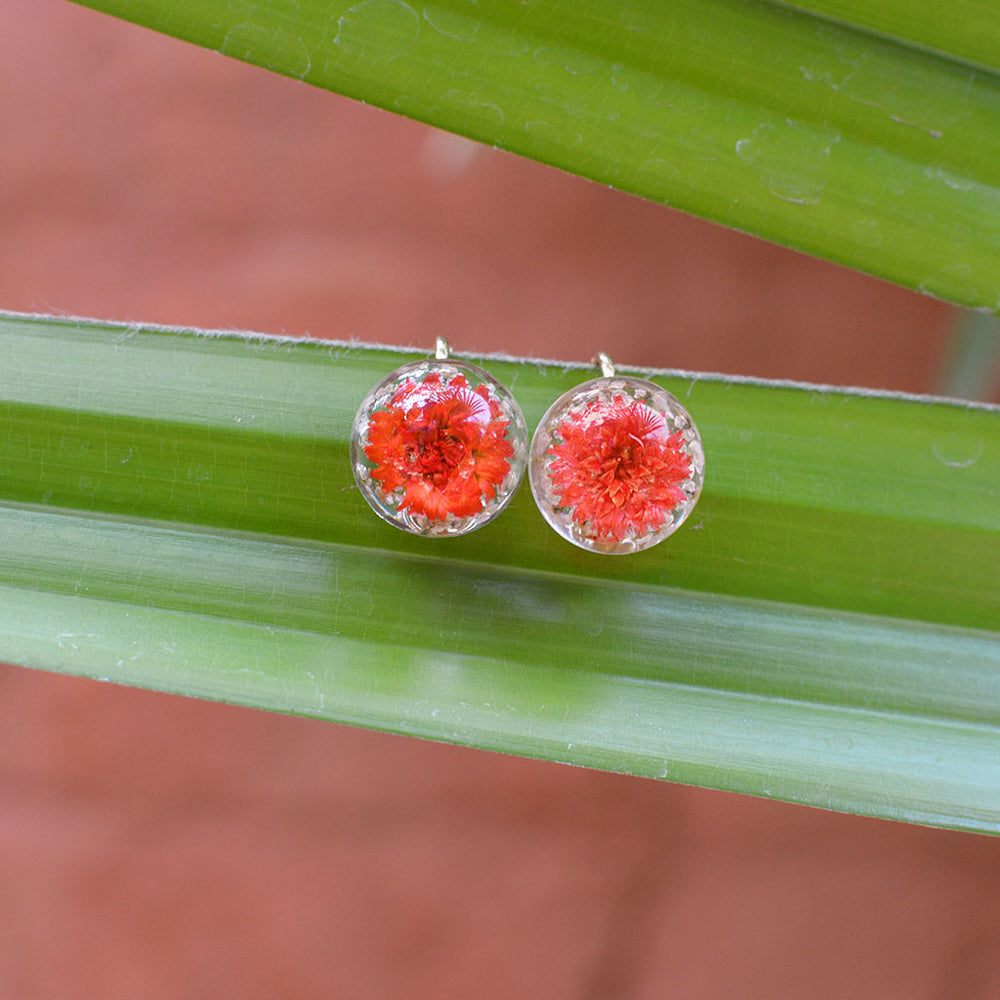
x=156, y=847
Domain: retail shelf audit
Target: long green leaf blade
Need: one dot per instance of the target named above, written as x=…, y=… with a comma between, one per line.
x=177, y=512
x=770, y=119
x=966, y=29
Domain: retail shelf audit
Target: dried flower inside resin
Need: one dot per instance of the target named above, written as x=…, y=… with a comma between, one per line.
x=443, y=448
x=444, y=445
x=616, y=465
x=618, y=468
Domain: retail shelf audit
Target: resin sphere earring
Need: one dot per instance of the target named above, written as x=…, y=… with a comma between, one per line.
x=439, y=447
x=616, y=464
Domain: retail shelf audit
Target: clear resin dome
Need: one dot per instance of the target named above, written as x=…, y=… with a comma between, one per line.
x=438, y=448
x=616, y=465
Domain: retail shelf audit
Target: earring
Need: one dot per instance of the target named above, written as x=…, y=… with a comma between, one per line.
x=439, y=447
x=616, y=464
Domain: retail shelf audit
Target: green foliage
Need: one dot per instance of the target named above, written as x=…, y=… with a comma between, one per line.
x=861, y=148
x=177, y=511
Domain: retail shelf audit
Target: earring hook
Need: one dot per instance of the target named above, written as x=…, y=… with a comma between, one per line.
x=607, y=366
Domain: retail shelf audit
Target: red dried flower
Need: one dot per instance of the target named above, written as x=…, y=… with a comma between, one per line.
x=618, y=468
x=444, y=444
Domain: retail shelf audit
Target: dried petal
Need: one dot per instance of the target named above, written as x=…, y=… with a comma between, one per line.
x=617, y=468
x=444, y=444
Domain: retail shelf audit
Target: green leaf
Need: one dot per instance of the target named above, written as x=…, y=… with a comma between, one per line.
x=966, y=29
x=177, y=511
x=854, y=146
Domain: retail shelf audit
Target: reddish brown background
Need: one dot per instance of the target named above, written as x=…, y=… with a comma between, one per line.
x=156, y=847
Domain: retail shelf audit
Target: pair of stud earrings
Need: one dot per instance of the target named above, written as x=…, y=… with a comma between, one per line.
x=439, y=447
